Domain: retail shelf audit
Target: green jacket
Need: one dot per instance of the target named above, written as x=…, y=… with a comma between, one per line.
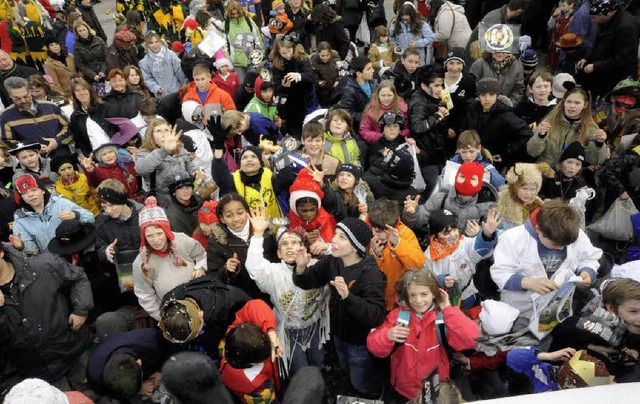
x=262, y=108
x=241, y=40
x=344, y=149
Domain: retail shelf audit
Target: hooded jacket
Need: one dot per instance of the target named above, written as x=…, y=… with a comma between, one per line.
x=214, y=96
x=405, y=83
x=344, y=149
x=370, y=130
x=61, y=73
x=451, y=25
x=36, y=336
x=363, y=309
x=242, y=39
x=80, y=193
x=324, y=222
x=422, y=352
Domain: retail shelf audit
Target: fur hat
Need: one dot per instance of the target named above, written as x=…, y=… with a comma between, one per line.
x=357, y=232
x=222, y=62
x=488, y=85
x=527, y=173
x=573, y=151
x=441, y=219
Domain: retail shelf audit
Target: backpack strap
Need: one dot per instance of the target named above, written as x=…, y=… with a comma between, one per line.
x=444, y=199
x=441, y=331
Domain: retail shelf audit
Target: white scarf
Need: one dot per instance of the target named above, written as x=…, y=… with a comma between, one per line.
x=157, y=61
x=244, y=233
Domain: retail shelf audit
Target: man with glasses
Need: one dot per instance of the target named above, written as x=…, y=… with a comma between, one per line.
x=30, y=121
x=9, y=68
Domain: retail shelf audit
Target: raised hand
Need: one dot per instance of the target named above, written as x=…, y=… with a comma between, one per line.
x=172, y=140
x=393, y=235
x=317, y=175
x=444, y=300
x=16, y=241
x=398, y=334
x=232, y=263
x=411, y=204
x=259, y=221
x=217, y=131
x=491, y=224
x=302, y=258
x=472, y=228
x=86, y=162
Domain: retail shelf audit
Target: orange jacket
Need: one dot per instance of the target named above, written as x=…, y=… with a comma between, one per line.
x=393, y=262
x=215, y=96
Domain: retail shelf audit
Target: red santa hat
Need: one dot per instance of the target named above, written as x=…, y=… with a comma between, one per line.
x=304, y=186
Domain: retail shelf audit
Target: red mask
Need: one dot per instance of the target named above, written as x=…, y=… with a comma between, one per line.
x=469, y=179
x=623, y=103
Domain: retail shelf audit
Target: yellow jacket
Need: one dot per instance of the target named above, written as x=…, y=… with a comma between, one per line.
x=266, y=197
x=80, y=193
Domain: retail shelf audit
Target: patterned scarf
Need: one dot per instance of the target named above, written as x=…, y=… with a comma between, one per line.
x=438, y=251
x=157, y=61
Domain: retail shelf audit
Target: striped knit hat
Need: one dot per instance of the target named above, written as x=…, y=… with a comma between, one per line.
x=358, y=233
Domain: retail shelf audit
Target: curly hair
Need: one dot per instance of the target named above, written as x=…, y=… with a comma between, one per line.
x=281, y=43
x=323, y=15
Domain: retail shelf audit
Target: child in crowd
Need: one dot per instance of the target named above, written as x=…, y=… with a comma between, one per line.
x=184, y=205
x=519, y=198
x=135, y=80
x=206, y=219
x=73, y=185
x=391, y=176
x=385, y=99
x=538, y=104
x=394, y=245
x=313, y=142
x=250, y=125
x=338, y=140
x=347, y=195
x=226, y=79
x=358, y=88
x=390, y=125
x=245, y=92
x=469, y=149
x=381, y=52
x=307, y=216
x=410, y=334
x=609, y=327
x=429, y=124
x=204, y=91
x=558, y=24
x=248, y=361
x=404, y=73
x=280, y=22
x=461, y=201
x=302, y=315
x=30, y=162
x=357, y=290
x=539, y=255
x=111, y=165
x=568, y=177
x=262, y=101
x=453, y=258
x=229, y=242
x=325, y=71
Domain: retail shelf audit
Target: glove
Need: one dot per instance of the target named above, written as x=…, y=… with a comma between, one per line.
x=272, y=134
x=219, y=134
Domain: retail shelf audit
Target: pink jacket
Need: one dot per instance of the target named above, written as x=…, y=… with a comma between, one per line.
x=421, y=353
x=369, y=128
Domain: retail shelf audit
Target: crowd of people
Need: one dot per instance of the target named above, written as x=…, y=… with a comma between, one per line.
x=279, y=201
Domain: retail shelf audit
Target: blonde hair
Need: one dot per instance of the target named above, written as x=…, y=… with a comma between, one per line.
x=232, y=119
x=556, y=116
x=374, y=104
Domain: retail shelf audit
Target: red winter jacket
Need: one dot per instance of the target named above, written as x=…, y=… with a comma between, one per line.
x=112, y=171
x=421, y=353
x=324, y=222
x=230, y=84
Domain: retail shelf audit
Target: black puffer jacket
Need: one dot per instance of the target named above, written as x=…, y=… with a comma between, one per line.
x=500, y=130
x=127, y=232
x=222, y=245
x=183, y=219
x=384, y=187
x=36, y=337
x=78, y=126
x=363, y=309
x=428, y=129
x=118, y=58
x=298, y=95
x=90, y=55
x=354, y=99
x=301, y=26
x=461, y=98
x=218, y=301
x=405, y=83
x=89, y=16
x=122, y=105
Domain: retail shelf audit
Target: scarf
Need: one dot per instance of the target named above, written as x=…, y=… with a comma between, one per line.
x=158, y=61
x=146, y=252
x=244, y=233
x=438, y=251
x=498, y=67
x=62, y=57
x=252, y=181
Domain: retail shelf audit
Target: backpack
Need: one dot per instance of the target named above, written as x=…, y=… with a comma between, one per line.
x=226, y=30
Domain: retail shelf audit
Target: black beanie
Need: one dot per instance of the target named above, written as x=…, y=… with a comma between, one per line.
x=254, y=150
x=59, y=161
x=350, y=168
x=194, y=378
x=573, y=151
x=357, y=232
x=440, y=220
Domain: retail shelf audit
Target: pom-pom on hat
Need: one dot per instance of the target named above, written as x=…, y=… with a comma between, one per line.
x=573, y=151
x=350, y=168
x=153, y=215
x=207, y=212
x=441, y=219
x=497, y=317
x=177, y=46
x=357, y=232
x=304, y=186
x=488, y=85
x=469, y=178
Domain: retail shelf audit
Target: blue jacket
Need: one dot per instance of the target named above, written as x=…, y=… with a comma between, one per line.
x=497, y=180
x=38, y=229
x=21, y=126
x=524, y=360
x=258, y=126
x=403, y=38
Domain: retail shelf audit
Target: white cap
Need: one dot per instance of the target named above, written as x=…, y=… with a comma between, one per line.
x=497, y=317
x=557, y=89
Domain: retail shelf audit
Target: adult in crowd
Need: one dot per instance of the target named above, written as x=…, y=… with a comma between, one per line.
x=9, y=68
x=88, y=124
x=60, y=66
x=85, y=7
x=90, y=53
x=28, y=121
x=122, y=52
x=330, y=28
x=298, y=12
x=351, y=13
x=161, y=67
x=122, y=101
x=411, y=31
x=614, y=53
x=450, y=26
x=504, y=67
x=44, y=303
x=242, y=36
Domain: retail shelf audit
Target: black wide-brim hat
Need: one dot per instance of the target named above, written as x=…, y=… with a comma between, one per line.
x=72, y=236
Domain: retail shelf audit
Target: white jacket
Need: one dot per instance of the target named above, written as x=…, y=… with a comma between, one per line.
x=462, y=262
x=295, y=308
x=445, y=20
x=165, y=274
x=517, y=253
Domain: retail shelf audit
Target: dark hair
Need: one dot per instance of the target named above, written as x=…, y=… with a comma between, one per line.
x=323, y=15
x=339, y=113
x=416, y=21
x=410, y=51
x=558, y=222
x=312, y=130
x=148, y=106
x=228, y=198
x=422, y=277
x=514, y=5
x=245, y=345
x=430, y=73
x=384, y=212
x=359, y=63
x=306, y=199
x=202, y=18
x=122, y=375
x=176, y=321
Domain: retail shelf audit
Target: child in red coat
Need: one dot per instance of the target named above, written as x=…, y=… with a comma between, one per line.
x=307, y=216
x=113, y=163
x=414, y=345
